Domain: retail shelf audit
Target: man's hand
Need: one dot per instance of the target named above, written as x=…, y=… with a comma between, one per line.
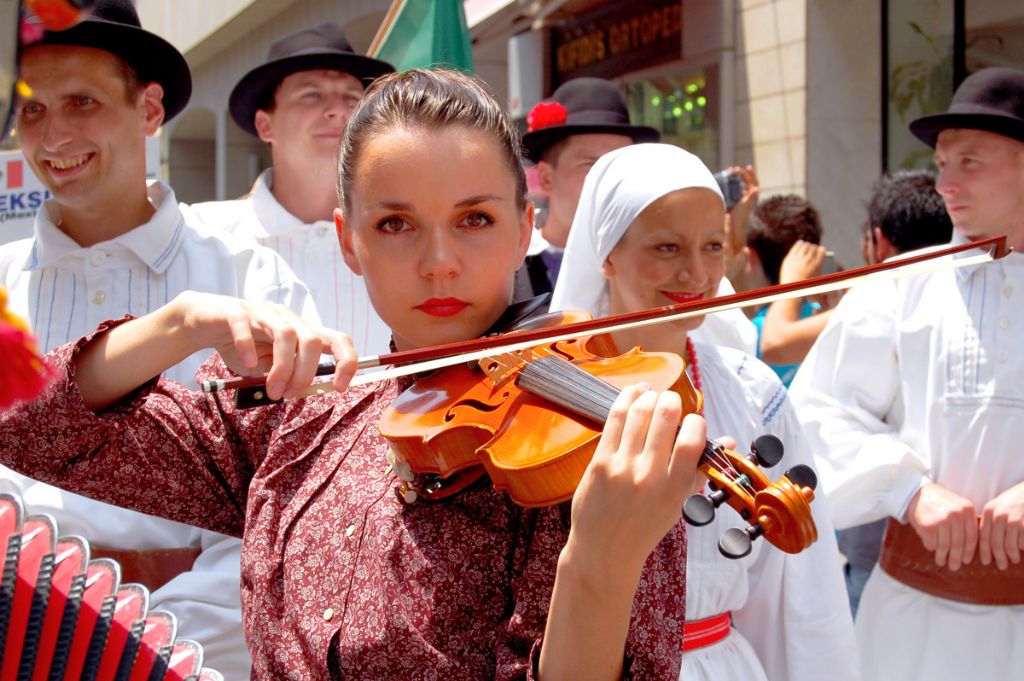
x=1002, y=528
x=947, y=524
x=803, y=261
x=736, y=221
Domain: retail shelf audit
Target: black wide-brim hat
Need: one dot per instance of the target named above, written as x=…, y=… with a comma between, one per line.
x=320, y=47
x=114, y=26
x=991, y=99
x=582, y=106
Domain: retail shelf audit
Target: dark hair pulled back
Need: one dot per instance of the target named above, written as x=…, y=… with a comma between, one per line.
x=419, y=98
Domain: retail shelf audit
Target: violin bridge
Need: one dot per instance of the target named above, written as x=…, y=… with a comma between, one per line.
x=500, y=369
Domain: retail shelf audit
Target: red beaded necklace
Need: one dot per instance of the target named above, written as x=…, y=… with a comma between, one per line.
x=691, y=364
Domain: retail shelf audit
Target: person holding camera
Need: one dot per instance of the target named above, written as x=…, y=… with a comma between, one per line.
x=913, y=399
x=784, y=246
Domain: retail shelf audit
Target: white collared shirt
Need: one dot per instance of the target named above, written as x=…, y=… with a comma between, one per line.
x=312, y=251
x=917, y=380
x=64, y=291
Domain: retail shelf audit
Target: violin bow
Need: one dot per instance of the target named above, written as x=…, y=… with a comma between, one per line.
x=419, y=360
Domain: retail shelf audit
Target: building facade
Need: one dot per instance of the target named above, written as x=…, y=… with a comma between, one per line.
x=815, y=93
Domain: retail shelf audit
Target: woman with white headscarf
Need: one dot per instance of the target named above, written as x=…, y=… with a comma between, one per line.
x=649, y=232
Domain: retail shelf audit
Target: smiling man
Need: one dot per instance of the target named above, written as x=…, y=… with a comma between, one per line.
x=109, y=244
x=299, y=102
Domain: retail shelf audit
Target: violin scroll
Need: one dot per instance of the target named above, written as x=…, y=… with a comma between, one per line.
x=779, y=511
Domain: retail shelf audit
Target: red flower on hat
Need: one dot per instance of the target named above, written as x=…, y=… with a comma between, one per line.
x=544, y=115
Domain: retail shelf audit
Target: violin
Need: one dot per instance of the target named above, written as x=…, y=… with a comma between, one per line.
x=539, y=363
x=531, y=420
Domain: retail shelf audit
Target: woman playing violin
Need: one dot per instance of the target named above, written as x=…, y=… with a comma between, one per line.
x=341, y=576
x=649, y=233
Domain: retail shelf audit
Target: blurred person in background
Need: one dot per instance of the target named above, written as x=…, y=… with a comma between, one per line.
x=784, y=246
x=904, y=214
x=299, y=102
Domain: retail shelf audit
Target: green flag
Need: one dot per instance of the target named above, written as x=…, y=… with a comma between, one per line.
x=428, y=33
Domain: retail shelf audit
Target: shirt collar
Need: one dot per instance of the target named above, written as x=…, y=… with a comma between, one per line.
x=274, y=219
x=154, y=242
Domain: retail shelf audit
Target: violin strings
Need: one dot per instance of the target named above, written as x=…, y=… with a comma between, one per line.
x=567, y=385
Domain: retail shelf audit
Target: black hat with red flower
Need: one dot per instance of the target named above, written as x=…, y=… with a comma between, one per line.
x=114, y=26
x=582, y=106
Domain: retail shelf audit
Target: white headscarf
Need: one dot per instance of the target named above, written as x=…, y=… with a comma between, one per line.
x=618, y=188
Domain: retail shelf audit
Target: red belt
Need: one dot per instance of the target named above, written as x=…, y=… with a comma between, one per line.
x=705, y=632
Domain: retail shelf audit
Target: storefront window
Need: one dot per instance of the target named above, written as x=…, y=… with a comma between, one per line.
x=684, y=108
x=925, y=60
x=920, y=74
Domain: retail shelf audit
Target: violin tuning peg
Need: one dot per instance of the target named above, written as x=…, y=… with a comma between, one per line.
x=738, y=542
x=802, y=476
x=698, y=510
x=767, y=450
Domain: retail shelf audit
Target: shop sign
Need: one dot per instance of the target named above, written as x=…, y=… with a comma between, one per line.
x=616, y=39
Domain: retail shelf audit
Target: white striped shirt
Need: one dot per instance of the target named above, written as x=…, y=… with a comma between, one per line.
x=312, y=251
x=64, y=291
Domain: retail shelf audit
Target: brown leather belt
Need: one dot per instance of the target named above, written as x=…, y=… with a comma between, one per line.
x=905, y=559
x=152, y=567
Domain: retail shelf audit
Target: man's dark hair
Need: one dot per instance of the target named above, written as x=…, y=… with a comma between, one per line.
x=908, y=210
x=778, y=223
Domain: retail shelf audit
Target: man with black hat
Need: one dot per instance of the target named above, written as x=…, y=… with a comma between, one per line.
x=584, y=119
x=299, y=102
x=914, y=399
x=107, y=245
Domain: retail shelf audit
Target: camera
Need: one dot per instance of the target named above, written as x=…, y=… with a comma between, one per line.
x=829, y=265
x=732, y=186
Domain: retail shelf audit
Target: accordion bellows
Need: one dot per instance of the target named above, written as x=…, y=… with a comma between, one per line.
x=64, y=617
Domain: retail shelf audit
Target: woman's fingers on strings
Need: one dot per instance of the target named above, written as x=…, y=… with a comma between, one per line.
x=638, y=423
x=661, y=434
x=611, y=435
x=689, y=444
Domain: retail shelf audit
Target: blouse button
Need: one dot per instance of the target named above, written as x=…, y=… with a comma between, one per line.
x=350, y=530
x=97, y=257
x=328, y=614
x=1001, y=356
x=321, y=231
x=1007, y=291
x=98, y=297
x=1004, y=323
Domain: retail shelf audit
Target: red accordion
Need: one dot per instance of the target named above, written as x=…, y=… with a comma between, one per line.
x=64, y=617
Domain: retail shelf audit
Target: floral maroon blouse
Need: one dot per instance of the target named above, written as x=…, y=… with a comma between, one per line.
x=340, y=577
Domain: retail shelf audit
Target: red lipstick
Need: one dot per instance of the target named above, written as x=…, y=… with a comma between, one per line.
x=442, y=307
x=682, y=296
